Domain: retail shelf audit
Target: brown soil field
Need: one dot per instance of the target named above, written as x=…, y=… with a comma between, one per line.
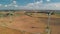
x=19, y=23
x=5, y=30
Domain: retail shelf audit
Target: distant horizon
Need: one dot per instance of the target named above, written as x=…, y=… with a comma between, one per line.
x=29, y=4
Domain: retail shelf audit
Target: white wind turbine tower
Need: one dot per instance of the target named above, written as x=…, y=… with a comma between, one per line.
x=48, y=30
x=8, y=6
x=14, y=4
x=48, y=24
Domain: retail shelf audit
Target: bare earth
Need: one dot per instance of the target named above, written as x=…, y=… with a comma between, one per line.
x=23, y=24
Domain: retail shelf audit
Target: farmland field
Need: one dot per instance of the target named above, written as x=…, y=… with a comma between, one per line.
x=31, y=23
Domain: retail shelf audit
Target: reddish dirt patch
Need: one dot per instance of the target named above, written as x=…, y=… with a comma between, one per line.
x=30, y=24
x=5, y=30
x=26, y=23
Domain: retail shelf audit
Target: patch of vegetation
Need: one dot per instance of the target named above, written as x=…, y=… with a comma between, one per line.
x=1, y=15
x=6, y=14
x=3, y=24
x=18, y=14
x=9, y=14
x=28, y=14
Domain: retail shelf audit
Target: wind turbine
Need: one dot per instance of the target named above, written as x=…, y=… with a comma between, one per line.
x=48, y=30
x=13, y=4
x=49, y=14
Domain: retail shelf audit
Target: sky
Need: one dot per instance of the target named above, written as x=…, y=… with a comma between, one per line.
x=30, y=4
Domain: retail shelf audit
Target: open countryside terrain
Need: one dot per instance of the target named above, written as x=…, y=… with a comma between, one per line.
x=31, y=23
